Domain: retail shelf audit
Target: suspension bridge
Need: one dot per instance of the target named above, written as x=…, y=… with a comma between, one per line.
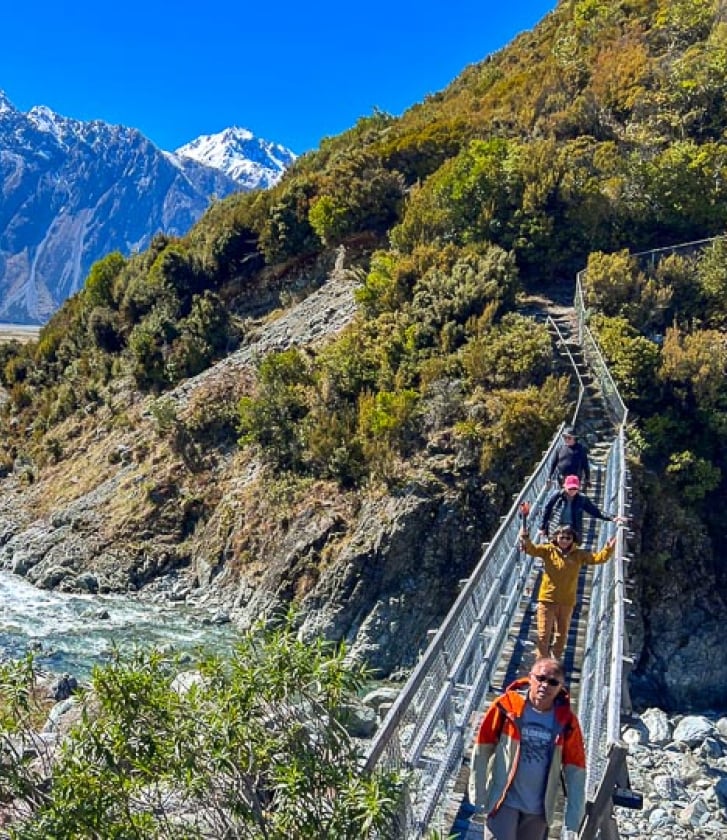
x=487, y=639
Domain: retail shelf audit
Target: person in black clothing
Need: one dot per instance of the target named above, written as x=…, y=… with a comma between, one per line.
x=570, y=458
x=570, y=503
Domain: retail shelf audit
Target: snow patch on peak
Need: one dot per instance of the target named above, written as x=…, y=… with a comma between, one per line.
x=236, y=151
x=45, y=119
x=6, y=106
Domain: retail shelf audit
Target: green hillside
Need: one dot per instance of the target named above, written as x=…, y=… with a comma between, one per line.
x=598, y=135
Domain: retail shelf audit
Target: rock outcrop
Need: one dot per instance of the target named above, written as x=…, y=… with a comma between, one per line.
x=127, y=510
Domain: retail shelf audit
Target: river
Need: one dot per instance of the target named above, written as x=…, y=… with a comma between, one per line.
x=72, y=633
x=69, y=633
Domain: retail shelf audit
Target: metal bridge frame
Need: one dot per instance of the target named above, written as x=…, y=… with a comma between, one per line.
x=432, y=721
x=604, y=687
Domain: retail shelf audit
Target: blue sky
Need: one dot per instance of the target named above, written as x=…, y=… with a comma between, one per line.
x=292, y=73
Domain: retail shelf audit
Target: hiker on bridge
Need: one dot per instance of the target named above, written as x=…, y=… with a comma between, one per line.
x=528, y=739
x=562, y=561
x=570, y=458
x=567, y=505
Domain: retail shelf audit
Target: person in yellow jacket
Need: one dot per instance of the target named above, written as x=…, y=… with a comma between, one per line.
x=562, y=561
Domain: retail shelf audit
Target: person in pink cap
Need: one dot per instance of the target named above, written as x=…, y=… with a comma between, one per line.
x=566, y=507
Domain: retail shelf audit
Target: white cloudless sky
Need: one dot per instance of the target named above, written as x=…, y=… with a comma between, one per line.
x=292, y=73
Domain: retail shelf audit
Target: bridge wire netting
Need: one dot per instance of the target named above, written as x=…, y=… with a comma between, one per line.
x=431, y=723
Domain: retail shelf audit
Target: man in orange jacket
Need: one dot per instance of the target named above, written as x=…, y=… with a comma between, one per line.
x=528, y=737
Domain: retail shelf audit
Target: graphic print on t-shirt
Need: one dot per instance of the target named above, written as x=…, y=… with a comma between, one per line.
x=536, y=738
x=535, y=743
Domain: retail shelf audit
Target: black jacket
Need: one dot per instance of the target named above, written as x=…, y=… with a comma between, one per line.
x=570, y=460
x=571, y=511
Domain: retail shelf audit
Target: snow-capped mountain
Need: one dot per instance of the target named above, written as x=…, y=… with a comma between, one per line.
x=72, y=192
x=247, y=159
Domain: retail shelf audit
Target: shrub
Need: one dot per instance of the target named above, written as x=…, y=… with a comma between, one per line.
x=612, y=282
x=272, y=418
x=253, y=746
x=633, y=360
x=386, y=428
x=695, y=477
x=99, y=285
x=513, y=354
x=149, y=344
x=517, y=426
x=106, y=329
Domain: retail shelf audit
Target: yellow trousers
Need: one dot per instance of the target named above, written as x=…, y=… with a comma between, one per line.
x=553, y=621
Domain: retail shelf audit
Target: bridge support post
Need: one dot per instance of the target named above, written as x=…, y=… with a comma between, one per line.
x=608, y=829
x=599, y=823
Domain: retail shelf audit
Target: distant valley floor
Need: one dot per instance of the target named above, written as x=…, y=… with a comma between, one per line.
x=18, y=332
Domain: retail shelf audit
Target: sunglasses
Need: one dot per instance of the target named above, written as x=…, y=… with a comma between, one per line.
x=542, y=678
x=565, y=537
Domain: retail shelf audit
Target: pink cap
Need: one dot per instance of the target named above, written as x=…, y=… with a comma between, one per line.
x=572, y=482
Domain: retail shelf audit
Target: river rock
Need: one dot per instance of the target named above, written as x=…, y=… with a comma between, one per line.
x=657, y=725
x=693, y=729
x=682, y=800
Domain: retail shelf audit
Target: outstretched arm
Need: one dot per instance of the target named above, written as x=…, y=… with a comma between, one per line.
x=591, y=509
x=605, y=553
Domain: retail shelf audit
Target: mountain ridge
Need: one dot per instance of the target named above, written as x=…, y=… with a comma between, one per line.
x=73, y=191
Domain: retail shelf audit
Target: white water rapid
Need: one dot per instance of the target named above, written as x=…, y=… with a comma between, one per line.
x=72, y=633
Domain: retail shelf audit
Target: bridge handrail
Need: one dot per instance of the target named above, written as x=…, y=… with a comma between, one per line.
x=602, y=670
x=594, y=357
x=430, y=721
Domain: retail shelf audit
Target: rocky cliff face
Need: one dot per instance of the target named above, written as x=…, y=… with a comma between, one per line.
x=677, y=618
x=130, y=507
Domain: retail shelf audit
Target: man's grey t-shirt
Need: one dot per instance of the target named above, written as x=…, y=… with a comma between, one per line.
x=536, y=742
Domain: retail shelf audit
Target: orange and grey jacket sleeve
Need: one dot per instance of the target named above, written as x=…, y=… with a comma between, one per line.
x=482, y=751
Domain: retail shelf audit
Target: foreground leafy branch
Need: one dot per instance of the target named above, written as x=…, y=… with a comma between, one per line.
x=253, y=746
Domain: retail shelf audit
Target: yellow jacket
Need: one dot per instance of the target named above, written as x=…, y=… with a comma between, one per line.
x=559, y=584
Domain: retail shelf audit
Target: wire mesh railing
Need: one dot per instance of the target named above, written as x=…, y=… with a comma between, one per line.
x=595, y=360
x=652, y=257
x=424, y=733
x=599, y=707
x=430, y=723
x=602, y=669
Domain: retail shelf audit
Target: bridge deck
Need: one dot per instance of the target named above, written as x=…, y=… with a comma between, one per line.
x=459, y=820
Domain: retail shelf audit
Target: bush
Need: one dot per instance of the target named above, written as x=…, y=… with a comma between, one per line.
x=612, y=282
x=513, y=354
x=253, y=746
x=99, y=285
x=272, y=418
x=633, y=360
